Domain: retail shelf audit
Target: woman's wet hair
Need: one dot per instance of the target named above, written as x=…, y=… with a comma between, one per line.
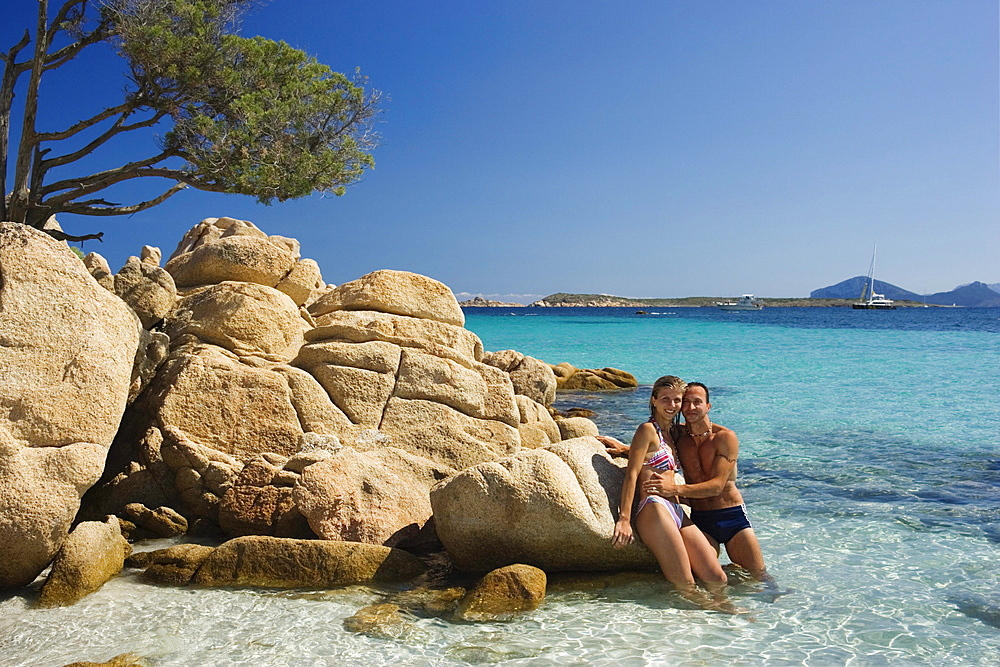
x=665, y=382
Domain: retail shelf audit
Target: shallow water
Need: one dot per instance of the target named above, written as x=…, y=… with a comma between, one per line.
x=870, y=462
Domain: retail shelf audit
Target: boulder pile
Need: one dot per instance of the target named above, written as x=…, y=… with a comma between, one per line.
x=232, y=391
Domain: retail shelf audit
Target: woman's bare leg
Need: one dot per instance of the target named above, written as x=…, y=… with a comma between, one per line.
x=660, y=535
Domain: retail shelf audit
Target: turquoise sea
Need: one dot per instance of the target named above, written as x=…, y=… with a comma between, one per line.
x=870, y=462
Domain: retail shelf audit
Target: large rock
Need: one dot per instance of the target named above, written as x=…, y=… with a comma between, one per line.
x=93, y=553
x=302, y=281
x=443, y=340
x=531, y=377
x=554, y=508
x=274, y=562
x=379, y=497
x=537, y=428
x=396, y=292
x=147, y=289
x=67, y=347
x=247, y=319
x=221, y=403
x=576, y=427
x=174, y=565
x=221, y=249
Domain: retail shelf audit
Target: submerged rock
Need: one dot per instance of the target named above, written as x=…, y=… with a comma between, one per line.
x=173, y=566
x=382, y=621
x=123, y=660
x=503, y=592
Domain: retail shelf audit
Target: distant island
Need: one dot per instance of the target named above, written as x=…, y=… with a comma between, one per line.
x=841, y=295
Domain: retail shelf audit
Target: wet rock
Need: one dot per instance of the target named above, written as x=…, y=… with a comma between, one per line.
x=91, y=554
x=174, y=566
x=503, y=592
x=159, y=522
x=274, y=562
x=383, y=621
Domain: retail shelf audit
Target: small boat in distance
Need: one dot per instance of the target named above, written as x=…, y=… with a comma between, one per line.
x=745, y=302
x=869, y=299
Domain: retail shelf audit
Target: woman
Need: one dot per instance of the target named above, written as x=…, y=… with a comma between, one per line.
x=681, y=549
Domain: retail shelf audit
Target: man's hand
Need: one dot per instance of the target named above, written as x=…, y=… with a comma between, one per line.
x=612, y=446
x=657, y=485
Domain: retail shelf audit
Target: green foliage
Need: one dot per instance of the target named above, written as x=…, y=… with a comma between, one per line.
x=249, y=116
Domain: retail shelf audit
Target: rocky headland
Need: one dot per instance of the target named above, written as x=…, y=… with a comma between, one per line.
x=321, y=434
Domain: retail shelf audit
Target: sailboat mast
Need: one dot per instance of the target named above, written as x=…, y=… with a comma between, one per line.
x=871, y=273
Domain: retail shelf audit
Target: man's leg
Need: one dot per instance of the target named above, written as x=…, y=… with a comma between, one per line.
x=744, y=550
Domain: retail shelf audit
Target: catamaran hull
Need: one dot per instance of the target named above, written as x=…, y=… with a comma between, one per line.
x=872, y=306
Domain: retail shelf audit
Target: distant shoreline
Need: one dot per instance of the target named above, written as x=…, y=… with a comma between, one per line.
x=562, y=300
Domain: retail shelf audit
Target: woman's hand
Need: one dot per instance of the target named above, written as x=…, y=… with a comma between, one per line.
x=612, y=446
x=623, y=533
x=657, y=485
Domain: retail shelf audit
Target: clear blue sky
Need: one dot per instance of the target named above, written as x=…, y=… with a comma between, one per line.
x=642, y=148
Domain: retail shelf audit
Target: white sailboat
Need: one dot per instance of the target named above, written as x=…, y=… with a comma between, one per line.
x=869, y=299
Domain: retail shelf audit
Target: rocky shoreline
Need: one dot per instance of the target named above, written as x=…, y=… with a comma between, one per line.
x=319, y=434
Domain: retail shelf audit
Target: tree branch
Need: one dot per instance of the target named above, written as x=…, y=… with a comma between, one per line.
x=60, y=235
x=85, y=123
x=111, y=132
x=107, y=209
x=95, y=182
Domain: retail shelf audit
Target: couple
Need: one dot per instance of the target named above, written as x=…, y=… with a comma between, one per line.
x=685, y=548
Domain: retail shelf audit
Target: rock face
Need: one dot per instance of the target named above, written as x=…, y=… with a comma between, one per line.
x=147, y=288
x=272, y=562
x=396, y=292
x=261, y=500
x=93, y=553
x=378, y=497
x=62, y=394
x=553, y=508
x=379, y=362
x=531, y=377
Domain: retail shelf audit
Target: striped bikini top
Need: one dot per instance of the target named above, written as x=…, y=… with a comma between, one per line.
x=662, y=458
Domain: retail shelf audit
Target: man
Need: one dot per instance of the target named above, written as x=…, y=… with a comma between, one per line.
x=707, y=453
